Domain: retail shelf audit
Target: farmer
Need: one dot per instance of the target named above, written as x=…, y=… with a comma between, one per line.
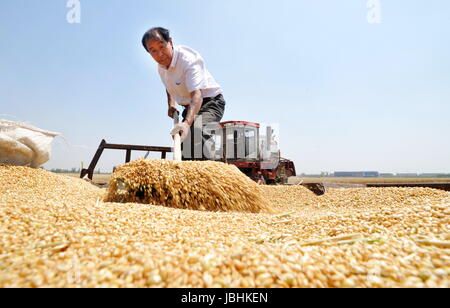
x=189, y=84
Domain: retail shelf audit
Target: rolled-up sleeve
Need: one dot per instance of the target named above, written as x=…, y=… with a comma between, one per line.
x=195, y=77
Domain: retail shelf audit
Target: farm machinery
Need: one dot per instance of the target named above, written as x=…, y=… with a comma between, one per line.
x=241, y=143
x=235, y=142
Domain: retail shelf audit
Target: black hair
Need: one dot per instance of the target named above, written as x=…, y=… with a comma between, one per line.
x=156, y=33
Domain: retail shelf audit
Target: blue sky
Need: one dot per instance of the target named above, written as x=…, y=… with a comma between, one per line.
x=347, y=94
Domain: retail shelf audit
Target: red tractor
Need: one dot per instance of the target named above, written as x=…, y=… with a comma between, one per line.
x=257, y=155
x=239, y=143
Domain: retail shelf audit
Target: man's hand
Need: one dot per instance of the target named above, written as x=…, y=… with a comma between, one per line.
x=181, y=128
x=171, y=111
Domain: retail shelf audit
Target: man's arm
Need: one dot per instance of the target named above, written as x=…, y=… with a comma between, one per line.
x=172, y=105
x=193, y=110
x=194, y=107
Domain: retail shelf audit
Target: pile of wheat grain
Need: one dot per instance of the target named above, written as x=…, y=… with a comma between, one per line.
x=287, y=197
x=196, y=185
x=55, y=232
x=24, y=185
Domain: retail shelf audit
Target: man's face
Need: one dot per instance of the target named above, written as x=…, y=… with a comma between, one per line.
x=161, y=51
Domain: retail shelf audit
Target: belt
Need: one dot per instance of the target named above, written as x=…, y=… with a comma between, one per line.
x=208, y=99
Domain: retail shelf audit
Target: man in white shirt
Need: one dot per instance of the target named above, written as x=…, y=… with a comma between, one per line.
x=189, y=84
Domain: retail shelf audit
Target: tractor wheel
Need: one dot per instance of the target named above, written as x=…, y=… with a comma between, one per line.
x=282, y=177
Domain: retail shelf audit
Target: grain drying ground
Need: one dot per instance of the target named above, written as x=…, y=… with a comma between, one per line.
x=351, y=180
x=56, y=231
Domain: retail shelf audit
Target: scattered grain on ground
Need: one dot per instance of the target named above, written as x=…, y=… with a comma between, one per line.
x=56, y=232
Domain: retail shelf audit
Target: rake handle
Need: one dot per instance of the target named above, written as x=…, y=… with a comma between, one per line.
x=176, y=139
x=177, y=147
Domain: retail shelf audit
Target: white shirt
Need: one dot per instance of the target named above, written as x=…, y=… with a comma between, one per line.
x=187, y=73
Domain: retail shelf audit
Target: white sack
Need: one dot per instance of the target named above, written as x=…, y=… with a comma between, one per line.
x=24, y=145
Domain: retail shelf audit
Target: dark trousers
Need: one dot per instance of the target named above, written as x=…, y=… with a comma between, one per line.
x=199, y=144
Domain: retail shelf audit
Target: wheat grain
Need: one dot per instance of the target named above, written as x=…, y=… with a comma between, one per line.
x=197, y=185
x=55, y=233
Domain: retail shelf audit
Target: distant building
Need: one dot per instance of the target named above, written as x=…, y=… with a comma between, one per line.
x=387, y=175
x=356, y=174
x=407, y=175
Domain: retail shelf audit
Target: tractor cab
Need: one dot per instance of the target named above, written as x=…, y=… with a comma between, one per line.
x=256, y=154
x=240, y=141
